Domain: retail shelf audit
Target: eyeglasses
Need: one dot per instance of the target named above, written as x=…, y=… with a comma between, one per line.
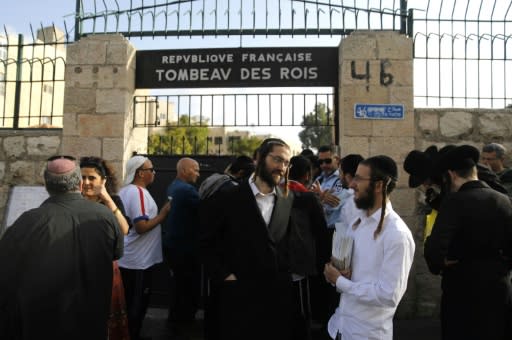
x=358, y=178
x=148, y=169
x=326, y=161
x=485, y=159
x=71, y=158
x=279, y=160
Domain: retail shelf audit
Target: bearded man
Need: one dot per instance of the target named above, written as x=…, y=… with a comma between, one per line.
x=245, y=251
x=382, y=256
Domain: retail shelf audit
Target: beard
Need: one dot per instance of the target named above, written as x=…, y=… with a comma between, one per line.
x=366, y=201
x=272, y=178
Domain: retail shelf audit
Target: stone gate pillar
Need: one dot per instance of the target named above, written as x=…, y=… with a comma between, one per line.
x=98, y=101
x=377, y=68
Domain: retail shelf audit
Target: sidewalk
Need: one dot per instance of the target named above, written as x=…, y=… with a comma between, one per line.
x=155, y=326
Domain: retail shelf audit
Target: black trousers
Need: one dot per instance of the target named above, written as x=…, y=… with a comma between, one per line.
x=137, y=290
x=301, y=329
x=256, y=309
x=184, y=285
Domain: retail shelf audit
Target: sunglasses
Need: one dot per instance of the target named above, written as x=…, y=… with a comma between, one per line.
x=71, y=158
x=147, y=169
x=326, y=161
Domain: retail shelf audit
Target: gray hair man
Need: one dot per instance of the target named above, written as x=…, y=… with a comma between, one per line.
x=493, y=155
x=56, y=263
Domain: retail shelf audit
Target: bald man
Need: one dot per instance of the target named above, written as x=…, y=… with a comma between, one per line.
x=180, y=241
x=56, y=263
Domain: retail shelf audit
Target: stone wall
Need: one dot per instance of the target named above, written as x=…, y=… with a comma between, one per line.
x=98, y=102
x=22, y=158
x=463, y=126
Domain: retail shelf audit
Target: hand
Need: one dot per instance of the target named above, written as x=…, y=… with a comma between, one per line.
x=450, y=263
x=315, y=187
x=331, y=273
x=103, y=194
x=327, y=198
x=166, y=208
x=230, y=277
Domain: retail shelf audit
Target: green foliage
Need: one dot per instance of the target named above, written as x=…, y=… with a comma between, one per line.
x=244, y=146
x=185, y=138
x=318, y=127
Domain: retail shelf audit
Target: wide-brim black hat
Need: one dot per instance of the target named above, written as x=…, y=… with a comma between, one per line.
x=458, y=158
x=419, y=165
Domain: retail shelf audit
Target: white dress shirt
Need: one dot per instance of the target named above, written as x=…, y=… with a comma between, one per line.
x=265, y=201
x=380, y=268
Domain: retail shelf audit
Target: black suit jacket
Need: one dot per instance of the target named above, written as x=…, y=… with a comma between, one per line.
x=235, y=238
x=310, y=243
x=473, y=227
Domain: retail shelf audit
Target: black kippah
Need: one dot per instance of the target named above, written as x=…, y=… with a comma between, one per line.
x=385, y=165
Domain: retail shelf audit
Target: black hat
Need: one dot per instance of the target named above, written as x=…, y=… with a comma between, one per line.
x=459, y=158
x=419, y=165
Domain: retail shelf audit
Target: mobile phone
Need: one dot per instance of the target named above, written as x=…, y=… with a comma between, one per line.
x=170, y=198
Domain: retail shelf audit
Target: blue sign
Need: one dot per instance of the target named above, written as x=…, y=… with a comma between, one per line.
x=379, y=111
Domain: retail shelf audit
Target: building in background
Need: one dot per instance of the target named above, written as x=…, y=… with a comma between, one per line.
x=39, y=68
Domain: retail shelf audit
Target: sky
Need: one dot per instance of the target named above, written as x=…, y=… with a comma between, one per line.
x=19, y=14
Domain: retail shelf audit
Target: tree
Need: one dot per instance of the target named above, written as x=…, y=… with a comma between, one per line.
x=185, y=138
x=318, y=126
x=244, y=146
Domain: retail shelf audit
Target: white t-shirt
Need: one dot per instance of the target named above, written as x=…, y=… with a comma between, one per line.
x=141, y=251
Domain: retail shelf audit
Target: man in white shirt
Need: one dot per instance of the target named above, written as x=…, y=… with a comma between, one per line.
x=381, y=260
x=143, y=244
x=348, y=168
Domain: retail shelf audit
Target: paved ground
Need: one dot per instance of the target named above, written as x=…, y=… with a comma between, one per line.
x=155, y=326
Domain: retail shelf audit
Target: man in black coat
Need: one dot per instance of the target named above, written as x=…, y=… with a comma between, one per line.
x=471, y=247
x=56, y=263
x=245, y=251
x=310, y=246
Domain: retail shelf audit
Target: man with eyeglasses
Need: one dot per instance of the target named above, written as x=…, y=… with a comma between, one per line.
x=143, y=244
x=56, y=263
x=493, y=155
x=382, y=256
x=245, y=251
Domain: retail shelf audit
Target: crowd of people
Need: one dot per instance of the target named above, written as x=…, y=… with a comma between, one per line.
x=270, y=234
